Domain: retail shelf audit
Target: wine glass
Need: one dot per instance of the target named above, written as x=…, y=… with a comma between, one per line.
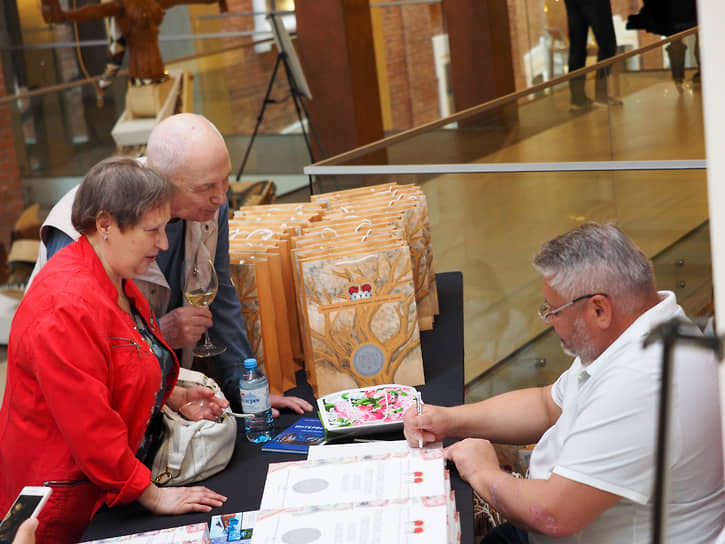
x=200, y=287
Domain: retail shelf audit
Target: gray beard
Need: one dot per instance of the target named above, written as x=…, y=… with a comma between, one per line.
x=586, y=352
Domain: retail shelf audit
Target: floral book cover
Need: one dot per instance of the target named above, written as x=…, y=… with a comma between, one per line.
x=367, y=409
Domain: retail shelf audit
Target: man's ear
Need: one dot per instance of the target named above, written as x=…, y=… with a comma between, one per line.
x=602, y=311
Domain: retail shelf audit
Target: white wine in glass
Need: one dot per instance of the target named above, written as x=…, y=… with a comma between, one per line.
x=200, y=298
x=200, y=287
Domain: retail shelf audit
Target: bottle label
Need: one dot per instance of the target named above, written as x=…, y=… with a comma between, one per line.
x=255, y=400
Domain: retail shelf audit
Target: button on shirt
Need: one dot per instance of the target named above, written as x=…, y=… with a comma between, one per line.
x=605, y=437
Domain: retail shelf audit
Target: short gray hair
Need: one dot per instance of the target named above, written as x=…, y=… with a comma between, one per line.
x=597, y=258
x=121, y=187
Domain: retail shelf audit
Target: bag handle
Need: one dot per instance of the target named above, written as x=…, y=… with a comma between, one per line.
x=177, y=448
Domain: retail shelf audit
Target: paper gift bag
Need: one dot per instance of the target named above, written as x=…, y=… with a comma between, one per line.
x=362, y=320
x=252, y=279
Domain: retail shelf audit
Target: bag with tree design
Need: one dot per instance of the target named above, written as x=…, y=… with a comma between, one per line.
x=360, y=318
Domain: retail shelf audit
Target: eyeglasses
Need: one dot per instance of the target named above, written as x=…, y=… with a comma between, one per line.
x=545, y=310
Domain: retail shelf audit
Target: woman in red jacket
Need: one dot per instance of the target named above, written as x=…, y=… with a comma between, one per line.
x=87, y=366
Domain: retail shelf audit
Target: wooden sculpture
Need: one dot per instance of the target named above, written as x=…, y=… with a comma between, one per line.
x=138, y=21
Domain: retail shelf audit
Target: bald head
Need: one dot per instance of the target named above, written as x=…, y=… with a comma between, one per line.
x=189, y=151
x=181, y=139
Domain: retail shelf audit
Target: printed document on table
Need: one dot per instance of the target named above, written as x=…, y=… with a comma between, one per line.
x=357, y=449
x=360, y=478
x=417, y=520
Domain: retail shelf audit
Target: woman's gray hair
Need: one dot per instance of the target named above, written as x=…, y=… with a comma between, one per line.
x=121, y=187
x=597, y=258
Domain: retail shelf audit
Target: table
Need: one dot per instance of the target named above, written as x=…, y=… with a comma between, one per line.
x=243, y=480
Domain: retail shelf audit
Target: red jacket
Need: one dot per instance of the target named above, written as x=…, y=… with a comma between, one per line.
x=81, y=386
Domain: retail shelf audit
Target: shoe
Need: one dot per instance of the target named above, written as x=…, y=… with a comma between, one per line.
x=587, y=105
x=609, y=101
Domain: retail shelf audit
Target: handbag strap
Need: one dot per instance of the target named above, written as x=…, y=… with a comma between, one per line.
x=178, y=445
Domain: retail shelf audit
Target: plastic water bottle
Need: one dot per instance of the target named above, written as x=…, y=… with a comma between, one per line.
x=254, y=390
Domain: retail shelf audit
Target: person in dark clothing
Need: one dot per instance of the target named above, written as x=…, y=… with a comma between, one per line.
x=597, y=15
x=665, y=18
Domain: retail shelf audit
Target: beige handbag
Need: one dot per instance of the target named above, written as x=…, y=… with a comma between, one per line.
x=193, y=450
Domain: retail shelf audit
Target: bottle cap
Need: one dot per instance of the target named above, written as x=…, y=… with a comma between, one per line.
x=250, y=363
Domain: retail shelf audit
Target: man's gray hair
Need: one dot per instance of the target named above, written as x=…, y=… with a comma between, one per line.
x=597, y=258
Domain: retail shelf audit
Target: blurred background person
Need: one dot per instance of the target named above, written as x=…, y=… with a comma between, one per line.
x=665, y=18
x=582, y=15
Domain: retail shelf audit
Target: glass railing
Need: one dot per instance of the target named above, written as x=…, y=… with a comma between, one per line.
x=503, y=177
x=657, y=119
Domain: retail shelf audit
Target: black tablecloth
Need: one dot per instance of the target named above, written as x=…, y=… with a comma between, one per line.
x=243, y=480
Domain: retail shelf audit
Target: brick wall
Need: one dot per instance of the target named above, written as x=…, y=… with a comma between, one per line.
x=527, y=21
x=11, y=195
x=247, y=77
x=408, y=32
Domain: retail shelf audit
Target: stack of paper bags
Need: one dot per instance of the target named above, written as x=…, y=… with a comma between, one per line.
x=403, y=208
x=350, y=274
x=359, y=493
x=261, y=270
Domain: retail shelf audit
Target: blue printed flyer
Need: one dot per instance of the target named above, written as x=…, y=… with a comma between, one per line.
x=298, y=437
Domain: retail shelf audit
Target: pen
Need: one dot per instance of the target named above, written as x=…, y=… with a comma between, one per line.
x=419, y=409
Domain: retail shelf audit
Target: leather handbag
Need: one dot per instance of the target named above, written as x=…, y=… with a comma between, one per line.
x=193, y=450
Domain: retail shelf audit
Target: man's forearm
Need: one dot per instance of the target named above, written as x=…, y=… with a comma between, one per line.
x=557, y=507
x=514, y=499
x=516, y=417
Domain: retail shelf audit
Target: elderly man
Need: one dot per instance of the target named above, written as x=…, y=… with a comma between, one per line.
x=591, y=474
x=189, y=151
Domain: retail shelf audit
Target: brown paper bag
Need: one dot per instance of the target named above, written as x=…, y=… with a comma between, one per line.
x=362, y=320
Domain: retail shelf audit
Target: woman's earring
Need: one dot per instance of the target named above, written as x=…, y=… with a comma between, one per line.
x=105, y=237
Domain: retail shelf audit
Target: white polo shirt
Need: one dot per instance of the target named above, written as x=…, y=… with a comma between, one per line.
x=606, y=435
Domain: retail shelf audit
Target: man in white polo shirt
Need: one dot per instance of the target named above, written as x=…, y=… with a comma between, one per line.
x=591, y=475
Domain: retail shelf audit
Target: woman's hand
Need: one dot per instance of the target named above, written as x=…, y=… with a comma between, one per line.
x=295, y=404
x=197, y=403
x=180, y=500
x=26, y=532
